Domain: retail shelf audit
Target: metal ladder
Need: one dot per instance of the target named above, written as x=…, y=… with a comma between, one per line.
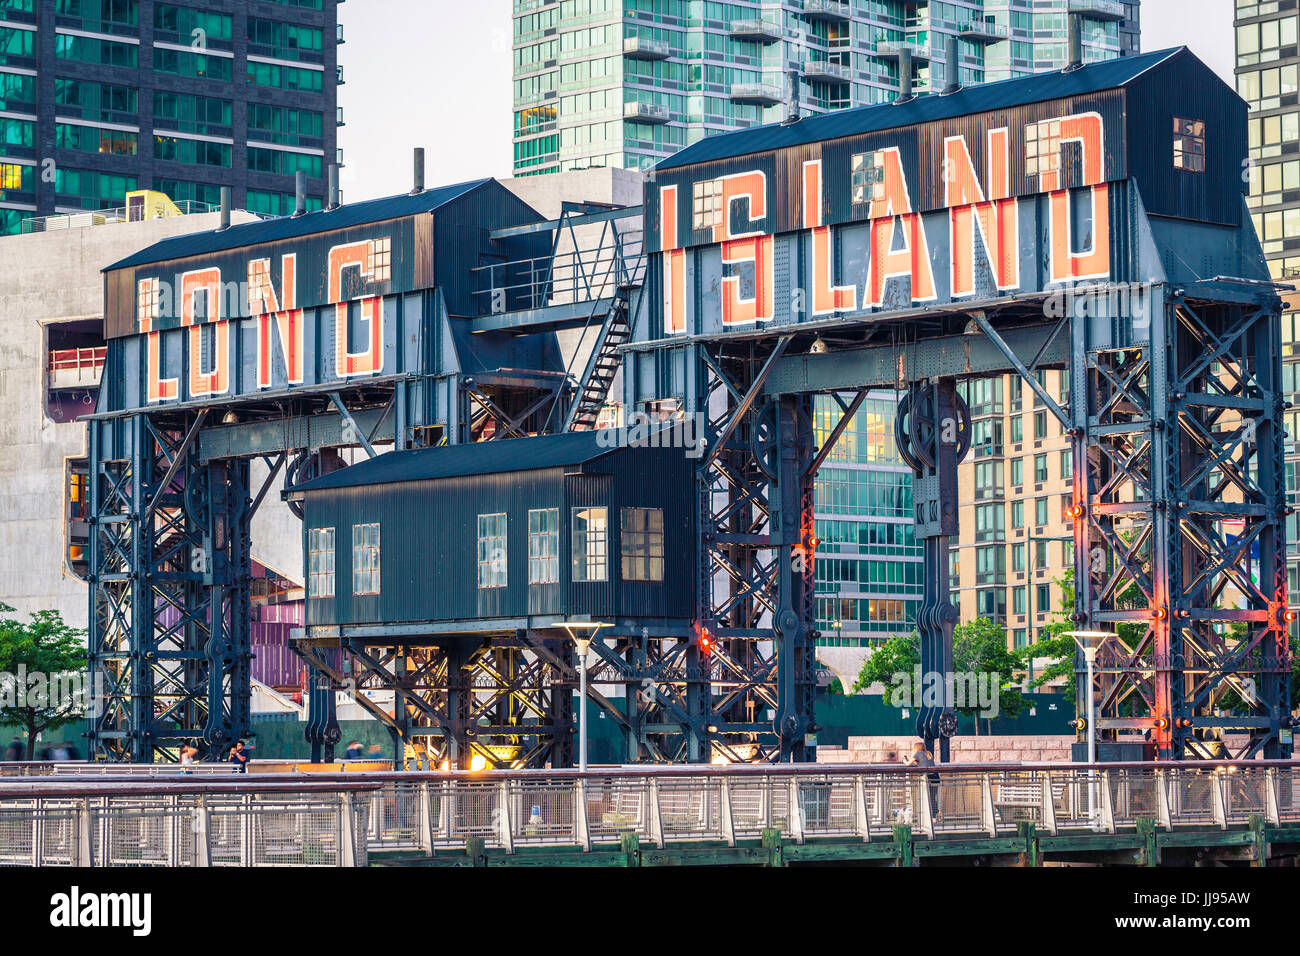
x=604, y=362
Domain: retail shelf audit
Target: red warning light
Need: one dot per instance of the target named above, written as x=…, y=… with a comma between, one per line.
x=1074, y=511
x=706, y=643
x=1161, y=614
x=1288, y=615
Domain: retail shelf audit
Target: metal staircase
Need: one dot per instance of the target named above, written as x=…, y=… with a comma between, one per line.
x=603, y=365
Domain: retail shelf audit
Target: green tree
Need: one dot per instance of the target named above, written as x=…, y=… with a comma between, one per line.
x=51, y=657
x=898, y=655
x=978, y=647
x=1053, y=643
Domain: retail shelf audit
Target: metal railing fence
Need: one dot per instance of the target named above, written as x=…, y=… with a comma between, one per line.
x=172, y=818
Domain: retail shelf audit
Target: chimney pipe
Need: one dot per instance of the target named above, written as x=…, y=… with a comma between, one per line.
x=334, y=187
x=300, y=194
x=225, y=209
x=792, y=108
x=904, y=75
x=1075, y=34
x=419, y=171
x=952, y=68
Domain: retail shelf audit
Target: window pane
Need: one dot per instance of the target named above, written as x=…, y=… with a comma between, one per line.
x=642, y=544
x=320, y=562
x=544, y=546
x=492, y=557
x=365, y=559
x=589, y=538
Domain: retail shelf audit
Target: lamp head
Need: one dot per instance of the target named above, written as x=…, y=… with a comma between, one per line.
x=1089, y=641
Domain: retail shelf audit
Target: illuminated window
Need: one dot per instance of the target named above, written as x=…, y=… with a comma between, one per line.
x=11, y=176
x=590, y=543
x=544, y=546
x=320, y=562
x=365, y=559
x=1189, y=145
x=1042, y=147
x=868, y=177
x=641, y=534
x=492, y=561
x=707, y=204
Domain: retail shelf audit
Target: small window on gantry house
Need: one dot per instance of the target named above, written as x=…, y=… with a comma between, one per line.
x=1189, y=145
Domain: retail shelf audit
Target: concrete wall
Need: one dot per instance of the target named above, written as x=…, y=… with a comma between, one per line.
x=47, y=278
x=968, y=749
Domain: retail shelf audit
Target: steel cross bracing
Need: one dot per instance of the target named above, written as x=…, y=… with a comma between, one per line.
x=1178, y=499
x=1181, y=550
x=169, y=575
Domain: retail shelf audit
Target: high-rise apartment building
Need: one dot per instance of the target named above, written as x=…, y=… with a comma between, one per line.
x=102, y=97
x=868, y=562
x=628, y=82
x=1015, y=541
x=1268, y=79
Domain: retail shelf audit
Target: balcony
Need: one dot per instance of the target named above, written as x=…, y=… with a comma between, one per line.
x=828, y=72
x=761, y=94
x=643, y=48
x=646, y=112
x=757, y=31
x=893, y=49
x=1098, y=9
x=76, y=368
x=985, y=31
x=832, y=11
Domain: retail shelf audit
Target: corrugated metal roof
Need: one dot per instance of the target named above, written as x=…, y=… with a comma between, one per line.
x=478, y=458
x=287, y=227
x=982, y=98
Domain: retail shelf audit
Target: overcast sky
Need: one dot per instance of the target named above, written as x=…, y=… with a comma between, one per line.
x=436, y=73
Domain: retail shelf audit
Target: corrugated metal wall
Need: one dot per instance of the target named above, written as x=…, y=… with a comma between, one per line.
x=429, y=536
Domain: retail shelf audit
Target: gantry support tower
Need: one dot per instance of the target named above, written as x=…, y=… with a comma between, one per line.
x=1090, y=221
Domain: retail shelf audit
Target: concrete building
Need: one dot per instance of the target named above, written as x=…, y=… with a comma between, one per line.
x=1268, y=79
x=627, y=82
x=102, y=97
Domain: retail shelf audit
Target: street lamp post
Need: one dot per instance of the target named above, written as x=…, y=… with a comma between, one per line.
x=583, y=644
x=1090, y=643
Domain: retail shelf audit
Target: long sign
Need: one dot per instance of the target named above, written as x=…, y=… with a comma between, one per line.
x=270, y=316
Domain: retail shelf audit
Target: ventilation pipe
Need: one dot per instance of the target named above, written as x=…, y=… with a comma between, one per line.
x=300, y=194
x=792, y=107
x=334, y=187
x=952, y=68
x=1075, y=34
x=419, y=171
x=225, y=209
x=904, y=76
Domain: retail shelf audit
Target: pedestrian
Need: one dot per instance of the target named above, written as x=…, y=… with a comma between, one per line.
x=188, y=753
x=353, y=751
x=923, y=758
x=16, y=750
x=239, y=758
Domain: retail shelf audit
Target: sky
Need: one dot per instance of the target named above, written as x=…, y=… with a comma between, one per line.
x=436, y=73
